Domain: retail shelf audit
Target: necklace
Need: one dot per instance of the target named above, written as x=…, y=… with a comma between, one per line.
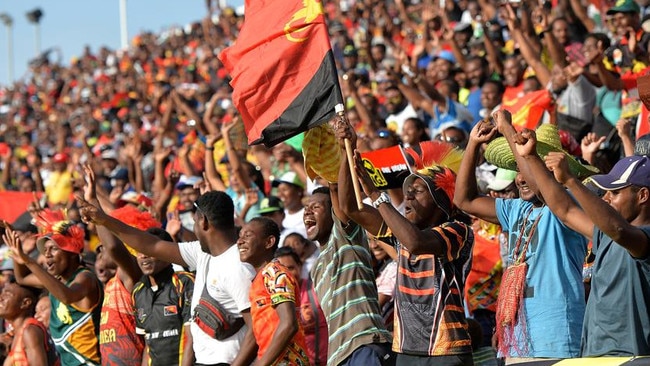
x=518, y=256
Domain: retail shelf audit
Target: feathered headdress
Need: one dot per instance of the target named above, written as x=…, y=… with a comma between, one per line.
x=132, y=216
x=436, y=153
x=136, y=218
x=437, y=164
x=55, y=226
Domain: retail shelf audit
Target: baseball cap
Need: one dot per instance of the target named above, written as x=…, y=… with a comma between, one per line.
x=502, y=179
x=187, y=181
x=445, y=55
x=60, y=158
x=7, y=264
x=349, y=50
x=269, y=205
x=109, y=154
x=336, y=27
x=632, y=170
x=289, y=178
x=135, y=198
x=121, y=174
x=624, y=6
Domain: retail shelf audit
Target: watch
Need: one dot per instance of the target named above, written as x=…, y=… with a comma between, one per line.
x=383, y=198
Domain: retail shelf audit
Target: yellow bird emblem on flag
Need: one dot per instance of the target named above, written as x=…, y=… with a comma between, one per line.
x=311, y=10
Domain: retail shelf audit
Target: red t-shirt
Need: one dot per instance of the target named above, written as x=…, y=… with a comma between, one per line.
x=117, y=337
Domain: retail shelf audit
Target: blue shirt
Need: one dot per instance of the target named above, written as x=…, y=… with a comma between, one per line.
x=456, y=115
x=474, y=105
x=239, y=200
x=554, y=301
x=616, y=319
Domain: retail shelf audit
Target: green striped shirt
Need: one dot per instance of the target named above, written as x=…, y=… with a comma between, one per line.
x=345, y=284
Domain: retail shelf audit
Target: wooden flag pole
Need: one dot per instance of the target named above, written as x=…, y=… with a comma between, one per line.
x=350, y=154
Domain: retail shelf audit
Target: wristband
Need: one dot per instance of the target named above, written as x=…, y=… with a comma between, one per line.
x=383, y=198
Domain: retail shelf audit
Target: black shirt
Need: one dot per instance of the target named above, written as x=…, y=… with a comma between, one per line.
x=162, y=313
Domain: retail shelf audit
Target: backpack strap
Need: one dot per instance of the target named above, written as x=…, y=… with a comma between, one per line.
x=314, y=308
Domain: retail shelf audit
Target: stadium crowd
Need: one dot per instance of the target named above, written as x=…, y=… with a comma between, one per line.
x=157, y=236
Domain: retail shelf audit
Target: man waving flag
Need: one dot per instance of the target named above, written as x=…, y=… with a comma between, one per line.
x=282, y=68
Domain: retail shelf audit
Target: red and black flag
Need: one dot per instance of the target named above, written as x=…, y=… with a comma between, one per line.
x=282, y=68
x=387, y=167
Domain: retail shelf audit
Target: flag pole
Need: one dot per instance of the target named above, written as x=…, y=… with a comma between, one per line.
x=340, y=111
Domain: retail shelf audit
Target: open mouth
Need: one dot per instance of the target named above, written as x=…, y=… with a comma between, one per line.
x=146, y=264
x=310, y=225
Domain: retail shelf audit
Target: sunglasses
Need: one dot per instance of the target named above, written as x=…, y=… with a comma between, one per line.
x=450, y=139
x=198, y=209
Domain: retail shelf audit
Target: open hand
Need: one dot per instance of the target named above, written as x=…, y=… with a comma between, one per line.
x=89, y=190
x=173, y=223
x=252, y=196
x=11, y=238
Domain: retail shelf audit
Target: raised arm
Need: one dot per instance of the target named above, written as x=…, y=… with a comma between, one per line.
x=211, y=174
x=503, y=121
x=555, y=195
x=368, y=217
x=140, y=240
x=410, y=236
x=130, y=271
x=21, y=272
x=608, y=220
x=415, y=240
x=541, y=71
x=236, y=164
x=466, y=195
x=83, y=291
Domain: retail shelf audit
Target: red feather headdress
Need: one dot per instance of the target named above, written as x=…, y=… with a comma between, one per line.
x=437, y=164
x=136, y=218
x=55, y=226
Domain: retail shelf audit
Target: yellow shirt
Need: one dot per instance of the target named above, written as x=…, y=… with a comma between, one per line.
x=59, y=187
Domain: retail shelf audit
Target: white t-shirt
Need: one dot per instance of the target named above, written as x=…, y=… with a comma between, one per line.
x=229, y=281
x=309, y=262
x=395, y=122
x=294, y=222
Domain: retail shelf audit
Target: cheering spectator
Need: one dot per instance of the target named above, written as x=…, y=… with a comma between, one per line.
x=32, y=344
x=274, y=295
x=75, y=292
